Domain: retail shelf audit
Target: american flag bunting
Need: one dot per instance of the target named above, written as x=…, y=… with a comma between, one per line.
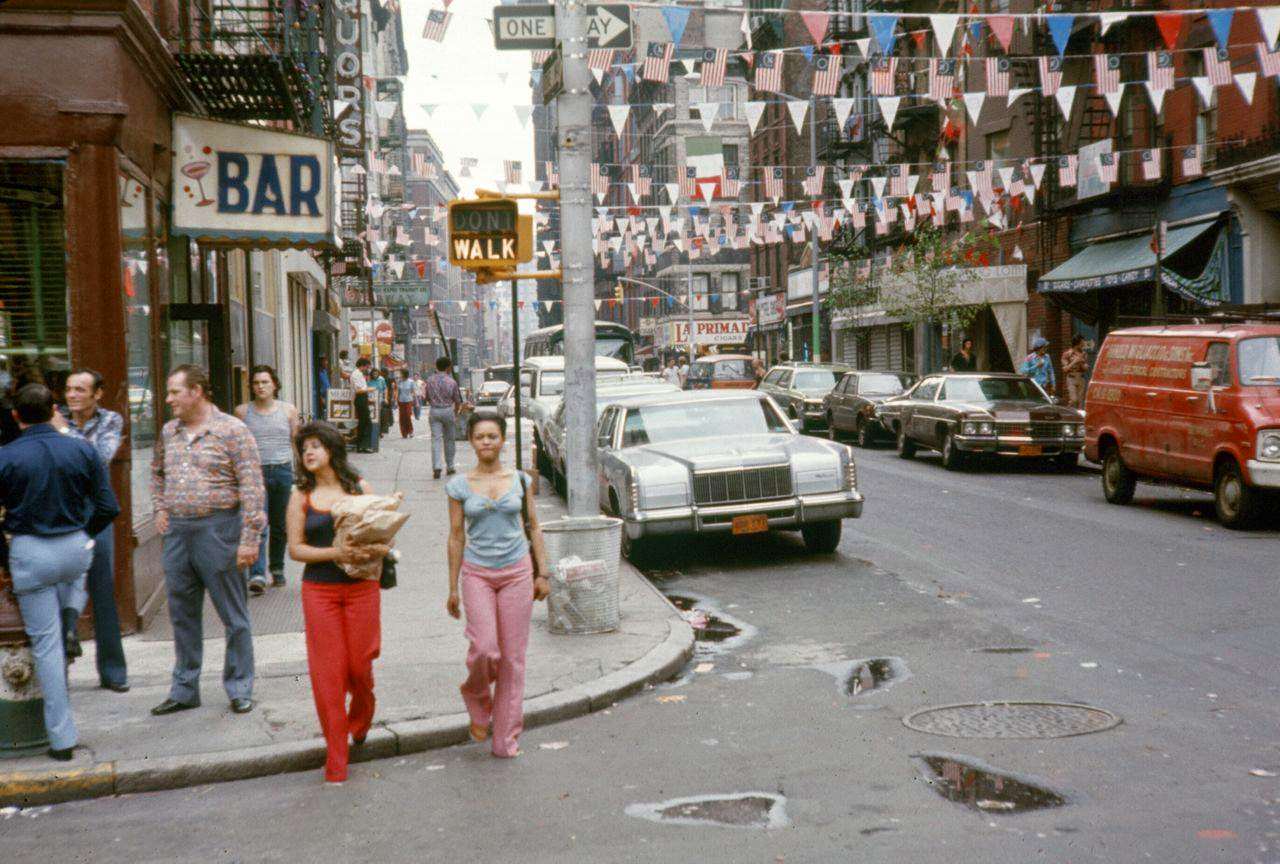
x=1107, y=167
x=1217, y=65
x=775, y=180
x=1192, y=164
x=714, y=61
x=942, y=78
x=826, y=74
x=769, y=71
x=941, y=176
x=898, y=179
x=1050, y=75
x=1106, y=71
x=511, y=170
x=813, y=176
x=553, y=174
x=883, y=73
x=689, y=182
x=1268, y=61
x=1067, y=170
x=437, y=24
x=642, y=176
x=599, y=179
x=731, y=181
x=419, y=163
x=1151, y=164
x=599, y=58
x=1160, y=69
x=998, y=76
x=657, y=62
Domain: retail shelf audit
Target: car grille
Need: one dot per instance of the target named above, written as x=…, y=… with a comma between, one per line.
x=747, y=484
x=1031, y=430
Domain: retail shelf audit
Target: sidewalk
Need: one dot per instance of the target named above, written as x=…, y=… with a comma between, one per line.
x=125, y=749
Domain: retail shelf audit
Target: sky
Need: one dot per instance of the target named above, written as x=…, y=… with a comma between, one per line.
x=462, y=71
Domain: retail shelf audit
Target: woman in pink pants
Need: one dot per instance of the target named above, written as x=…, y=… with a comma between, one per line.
x=494, y=542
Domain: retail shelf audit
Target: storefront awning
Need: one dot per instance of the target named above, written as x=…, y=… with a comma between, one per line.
x=1118, y=262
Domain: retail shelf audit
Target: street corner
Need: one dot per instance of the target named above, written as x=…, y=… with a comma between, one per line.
x=28, y=788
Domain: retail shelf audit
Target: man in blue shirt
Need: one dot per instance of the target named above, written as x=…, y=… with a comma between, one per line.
x=85, y=416
x=56, y=497
x=1038, y=367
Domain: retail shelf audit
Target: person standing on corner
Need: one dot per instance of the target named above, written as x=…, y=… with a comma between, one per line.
x=206, y=485
x=445, y=401
x=323, y=385
x=103, y=429
x=671, y=374
x=1075, y=363
x=56, y=496
x=406, y=393
x=1039, y=367
x=378, y=383
x=342, y=615
x=494, y=543
x=273, y=424
x=361, y=391
x=963, y=360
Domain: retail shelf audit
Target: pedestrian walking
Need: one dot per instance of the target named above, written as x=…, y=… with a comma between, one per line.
x=206, y=487
x=444, y=401
x=419, y=395
x=342, y=615
x=1075, y=363
x=1039, y=366
x=963, y=360
x=494, y=544
x=323, y=384
x=378, y=381
x=85, y=417
x=361, y=392
x=56, y=497
x=406, y=393
x=273, y=424
x=757, y=370
x=684, y=371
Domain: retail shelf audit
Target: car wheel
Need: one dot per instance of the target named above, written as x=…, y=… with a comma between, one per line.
x=1118, y=482
x=1066, y=462
x=1234, y=499
x=865, y=437
x=952, y=458
x=636, y=551
x=821, y=537
x=906, y=447
x=832, y=432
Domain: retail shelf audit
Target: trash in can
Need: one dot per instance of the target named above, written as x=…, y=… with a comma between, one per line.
x=585, y=556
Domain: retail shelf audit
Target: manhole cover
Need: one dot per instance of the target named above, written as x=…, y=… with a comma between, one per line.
x=1011, y=720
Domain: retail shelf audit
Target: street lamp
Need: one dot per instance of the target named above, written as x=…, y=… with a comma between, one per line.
x=688, y=304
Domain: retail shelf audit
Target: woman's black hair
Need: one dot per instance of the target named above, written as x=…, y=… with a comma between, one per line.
x=476, y=419
x=336, y=446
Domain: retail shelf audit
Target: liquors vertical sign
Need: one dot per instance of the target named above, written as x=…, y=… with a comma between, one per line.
x=348, y=78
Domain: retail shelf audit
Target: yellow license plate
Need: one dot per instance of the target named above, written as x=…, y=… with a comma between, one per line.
x=753, y=524
x=1030, y=450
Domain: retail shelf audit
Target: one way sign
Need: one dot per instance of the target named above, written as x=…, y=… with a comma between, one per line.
x=525, y=28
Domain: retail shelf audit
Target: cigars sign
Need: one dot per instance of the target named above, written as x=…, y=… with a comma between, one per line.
x=710, y=331
x=246, y=184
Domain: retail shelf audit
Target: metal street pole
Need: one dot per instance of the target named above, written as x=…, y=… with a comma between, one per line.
x=573, y=114
x=689, y=304
x=815, y=353
x=515, y=365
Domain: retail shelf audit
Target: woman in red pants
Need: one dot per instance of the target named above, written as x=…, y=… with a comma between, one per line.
x=341, y=614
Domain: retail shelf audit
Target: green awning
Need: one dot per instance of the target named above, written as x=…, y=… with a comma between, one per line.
x=1117, y=262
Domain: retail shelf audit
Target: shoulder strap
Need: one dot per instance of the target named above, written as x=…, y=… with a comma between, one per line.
x=524, y=505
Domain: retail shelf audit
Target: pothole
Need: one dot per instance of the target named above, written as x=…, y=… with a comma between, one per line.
x=1011, y=720
x=989, y=790
x=873, y=674
x=738, y=810
x=714, y=631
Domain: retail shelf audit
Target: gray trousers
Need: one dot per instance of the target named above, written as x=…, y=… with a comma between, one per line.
x=444, y=435
x=199, y=556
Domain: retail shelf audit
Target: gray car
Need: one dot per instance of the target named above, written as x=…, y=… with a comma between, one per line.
x=720, y=461
x=799, y=389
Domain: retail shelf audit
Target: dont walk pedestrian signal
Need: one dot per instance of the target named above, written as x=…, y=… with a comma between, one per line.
x=489, y=234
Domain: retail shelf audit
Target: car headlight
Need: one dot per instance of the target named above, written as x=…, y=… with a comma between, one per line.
x=986, y=428
x=1079, y=430
x=969, y=428
x=1269, y=444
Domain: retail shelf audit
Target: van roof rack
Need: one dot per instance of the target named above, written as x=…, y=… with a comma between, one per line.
x=1225, y=315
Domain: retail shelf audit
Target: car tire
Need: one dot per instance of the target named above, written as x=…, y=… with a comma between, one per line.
x=865, y=436
x=636, y=551
x=952, y=458
x=1118, y=482
x=1235, y=501
x=832, y=432
x=821, y=538
x=906, y=447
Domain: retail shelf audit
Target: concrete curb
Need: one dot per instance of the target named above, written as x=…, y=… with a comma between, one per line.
x=27, y=788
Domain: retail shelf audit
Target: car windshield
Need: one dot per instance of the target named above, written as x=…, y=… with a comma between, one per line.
x=700, y=371
x=815, y=381
x=1260, y=360
x=553, y=382
x=992, y=390
x=662, y=424
x=882, y=385
x=494, y=388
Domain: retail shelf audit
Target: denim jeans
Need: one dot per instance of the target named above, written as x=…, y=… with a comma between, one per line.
x=108, y=647
x=278, y=480
x=48, y=576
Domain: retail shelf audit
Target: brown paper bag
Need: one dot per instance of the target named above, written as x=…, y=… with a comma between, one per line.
x=365, y=519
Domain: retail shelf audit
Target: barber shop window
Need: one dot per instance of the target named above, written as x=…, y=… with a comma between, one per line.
x=33, y=277
x=145, y=389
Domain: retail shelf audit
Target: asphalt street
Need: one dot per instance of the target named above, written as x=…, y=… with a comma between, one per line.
x=1001, y=584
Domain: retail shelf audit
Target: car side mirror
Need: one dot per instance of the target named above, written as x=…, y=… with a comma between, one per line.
x=1201, y=377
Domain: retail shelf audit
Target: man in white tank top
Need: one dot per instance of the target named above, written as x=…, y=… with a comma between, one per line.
x=273, y=424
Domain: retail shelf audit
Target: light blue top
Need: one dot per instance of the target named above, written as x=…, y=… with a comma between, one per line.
x=495, y=527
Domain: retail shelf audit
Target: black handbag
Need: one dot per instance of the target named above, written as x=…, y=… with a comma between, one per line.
x=388, y=579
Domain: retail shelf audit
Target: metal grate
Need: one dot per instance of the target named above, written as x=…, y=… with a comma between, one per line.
x=1046, y=430
x=748, y=484
x=33, y=279
x=1011, y=720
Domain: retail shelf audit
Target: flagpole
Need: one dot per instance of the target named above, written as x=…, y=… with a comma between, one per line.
x=815, y=354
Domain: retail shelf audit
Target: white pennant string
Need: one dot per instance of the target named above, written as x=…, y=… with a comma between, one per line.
x=798, y=108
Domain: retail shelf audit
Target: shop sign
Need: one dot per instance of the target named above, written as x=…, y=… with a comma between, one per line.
x=348, y=79
x=708, y=331
x=402, y=294
x=771, y=310
x=244, y=183
x=647, y=326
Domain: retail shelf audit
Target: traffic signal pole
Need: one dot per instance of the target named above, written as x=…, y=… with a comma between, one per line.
x=573, y=113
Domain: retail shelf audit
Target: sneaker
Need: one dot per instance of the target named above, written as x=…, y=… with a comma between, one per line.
x=277, y=580
x=258, y=586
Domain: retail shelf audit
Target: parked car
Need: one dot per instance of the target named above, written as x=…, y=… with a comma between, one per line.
x=490, y=393
x=542, y=386
x=668, y=466
x=799, y=389
x=851, y=406
x=721, y=371
x=1197, y=405
x=606, y=394
x=964, y=414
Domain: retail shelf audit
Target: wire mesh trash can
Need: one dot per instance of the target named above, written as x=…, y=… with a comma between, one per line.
x=584, y=555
